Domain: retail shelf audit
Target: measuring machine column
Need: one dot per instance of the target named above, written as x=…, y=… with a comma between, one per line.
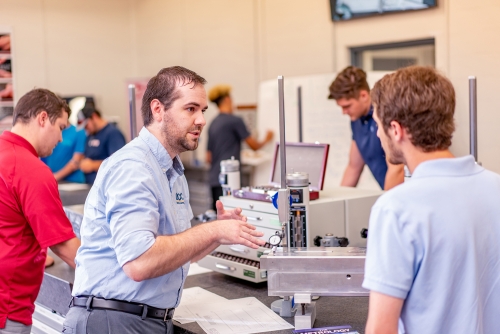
x=298, y=184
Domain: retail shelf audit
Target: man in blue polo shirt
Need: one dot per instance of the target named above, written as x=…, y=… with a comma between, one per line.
x=103, y=140
x=432, y=260
x=65, y=159
x=351, y=92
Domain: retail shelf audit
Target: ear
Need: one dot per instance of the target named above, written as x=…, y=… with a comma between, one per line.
x=43, y=118
x=156, y=108
x=363, y=95
x=396, y=131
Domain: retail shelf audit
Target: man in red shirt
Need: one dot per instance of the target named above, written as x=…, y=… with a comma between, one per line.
x=31, y=213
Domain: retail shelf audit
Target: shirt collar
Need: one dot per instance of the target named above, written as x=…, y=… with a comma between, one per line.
x=368, y=116
x=462, y=166
x=160, y=153
x=18, y=140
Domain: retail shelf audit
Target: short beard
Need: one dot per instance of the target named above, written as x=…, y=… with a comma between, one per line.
x=395, y=156
x=179, y=144
x=186, y=144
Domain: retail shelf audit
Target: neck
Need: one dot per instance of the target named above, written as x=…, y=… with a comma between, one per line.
x=417, y=156
x=225, y=110
x=100, y=123
x=155, y=130
x=367, y=107
x=28, y=132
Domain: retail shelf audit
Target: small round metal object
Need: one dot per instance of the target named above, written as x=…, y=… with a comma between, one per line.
x=230, y=165
x=297, y=179
x=275, y=240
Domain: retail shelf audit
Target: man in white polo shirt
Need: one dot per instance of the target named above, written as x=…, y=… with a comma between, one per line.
x=433, y=263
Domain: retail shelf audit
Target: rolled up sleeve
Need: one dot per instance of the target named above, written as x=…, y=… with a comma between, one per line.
x=131, y=209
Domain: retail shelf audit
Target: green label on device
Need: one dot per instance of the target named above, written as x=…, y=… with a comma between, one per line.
x=249, y=273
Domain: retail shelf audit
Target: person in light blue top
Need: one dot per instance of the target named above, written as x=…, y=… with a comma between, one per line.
x=65, y=158
x=137, y=241
x=432, y=263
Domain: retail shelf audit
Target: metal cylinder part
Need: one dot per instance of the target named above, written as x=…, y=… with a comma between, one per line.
x=284, y=193
x=281, y=98
x=297, y=179
x=230, y=165
x=473, y=115
x=132, y=114
x=299, y=105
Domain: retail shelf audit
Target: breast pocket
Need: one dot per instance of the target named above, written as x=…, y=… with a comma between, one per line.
x=182, y=209
x=183, y=216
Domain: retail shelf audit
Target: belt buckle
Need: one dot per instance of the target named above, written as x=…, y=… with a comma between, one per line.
x=167, y=312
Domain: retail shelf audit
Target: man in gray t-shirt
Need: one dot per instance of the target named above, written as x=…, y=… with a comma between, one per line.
x=225, y=134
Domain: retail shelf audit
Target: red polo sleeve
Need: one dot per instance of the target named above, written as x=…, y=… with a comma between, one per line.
x=39, y=197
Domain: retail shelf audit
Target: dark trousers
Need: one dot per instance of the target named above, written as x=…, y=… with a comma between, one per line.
x=96, y=321
x=216, y=193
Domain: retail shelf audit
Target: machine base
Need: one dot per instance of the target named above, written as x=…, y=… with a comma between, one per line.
x=283, y=308
x=306, y=320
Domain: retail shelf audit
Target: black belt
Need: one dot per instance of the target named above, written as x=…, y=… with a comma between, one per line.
x=142, y=310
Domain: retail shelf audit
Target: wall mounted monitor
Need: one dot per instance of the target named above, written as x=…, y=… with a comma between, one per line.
x=342, y=10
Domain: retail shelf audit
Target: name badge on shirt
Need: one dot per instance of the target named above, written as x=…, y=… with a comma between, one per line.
x=94, y=143
x=179, y=198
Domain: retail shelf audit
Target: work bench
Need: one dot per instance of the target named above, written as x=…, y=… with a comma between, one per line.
x=331, y=311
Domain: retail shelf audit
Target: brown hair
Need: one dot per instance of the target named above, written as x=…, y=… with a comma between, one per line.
x=163, y=87
x=348, y=84
x=36, y=101
x=422, y=101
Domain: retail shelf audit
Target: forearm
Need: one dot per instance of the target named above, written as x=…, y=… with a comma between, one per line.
x=351, y=176
x=395, y=175
x=171, y=252
x=67, y=251
x=205, y=252
x=96, y=164
x=69, y=168
x=88, y=165
x=255, y=144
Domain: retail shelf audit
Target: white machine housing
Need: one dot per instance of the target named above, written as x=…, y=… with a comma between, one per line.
x=342, y=211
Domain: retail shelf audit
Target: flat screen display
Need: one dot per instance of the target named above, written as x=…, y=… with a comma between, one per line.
x=349, y=9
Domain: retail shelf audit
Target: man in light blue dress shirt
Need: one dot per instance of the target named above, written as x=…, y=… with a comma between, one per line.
x=137, y=241
x=433, y=263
